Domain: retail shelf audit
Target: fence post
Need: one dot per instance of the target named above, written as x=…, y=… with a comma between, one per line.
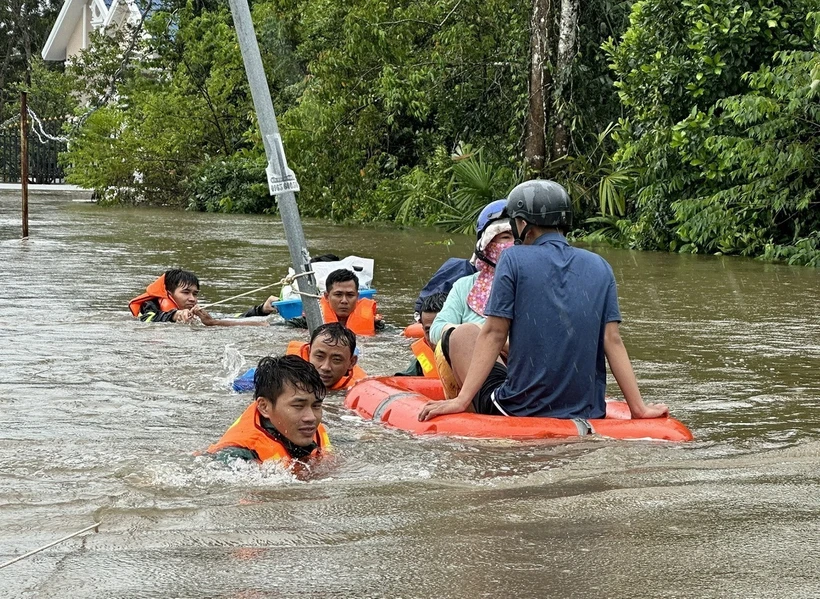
x=24, y=159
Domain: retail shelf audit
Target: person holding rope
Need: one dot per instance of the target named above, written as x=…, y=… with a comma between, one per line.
x=174, y=297
x=341, y=303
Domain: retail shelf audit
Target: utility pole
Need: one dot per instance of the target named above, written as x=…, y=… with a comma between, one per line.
x=281, y=180
x=24, y=159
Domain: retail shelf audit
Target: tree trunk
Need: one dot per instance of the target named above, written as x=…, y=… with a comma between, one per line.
x=535, y=142
x=561, y=93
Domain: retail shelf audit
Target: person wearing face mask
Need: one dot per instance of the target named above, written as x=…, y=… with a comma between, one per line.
x=467, y=299
x=556, y=309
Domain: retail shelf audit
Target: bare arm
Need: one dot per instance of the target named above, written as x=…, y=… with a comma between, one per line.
x=491, y=340
x=621, y=367
x=210, y=321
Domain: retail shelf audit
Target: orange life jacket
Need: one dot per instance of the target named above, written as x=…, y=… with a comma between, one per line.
x=415, y=330
x=426, y=357
x=361, y=321
x=247, y=431
x=154, y=291
x=298, y=348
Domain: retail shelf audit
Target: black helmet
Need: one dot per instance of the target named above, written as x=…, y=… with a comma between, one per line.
x=541, y=203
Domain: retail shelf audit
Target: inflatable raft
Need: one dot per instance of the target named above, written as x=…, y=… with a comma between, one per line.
x=397, y=401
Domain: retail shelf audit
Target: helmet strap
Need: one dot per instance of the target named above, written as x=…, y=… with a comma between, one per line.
x=514, y=226
x=519, y=238
x=481, y=256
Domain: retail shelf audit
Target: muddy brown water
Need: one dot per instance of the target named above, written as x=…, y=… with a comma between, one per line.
x=100, y=416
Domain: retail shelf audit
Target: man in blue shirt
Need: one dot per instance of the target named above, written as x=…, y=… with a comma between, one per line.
x=559, y=307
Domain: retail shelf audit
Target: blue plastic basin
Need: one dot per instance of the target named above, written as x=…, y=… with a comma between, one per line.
x=292, y=308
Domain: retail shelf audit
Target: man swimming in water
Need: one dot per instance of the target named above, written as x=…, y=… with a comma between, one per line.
x=174, y=297
x=284, y=422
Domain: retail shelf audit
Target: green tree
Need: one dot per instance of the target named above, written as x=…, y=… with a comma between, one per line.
x=373, y=98
x=182, y=99
x=25, y=25
x=720, y=123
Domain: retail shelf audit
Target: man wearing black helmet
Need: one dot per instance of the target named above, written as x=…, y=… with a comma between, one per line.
x=559, y=306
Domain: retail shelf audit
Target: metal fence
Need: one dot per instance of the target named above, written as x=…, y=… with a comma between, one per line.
x=42, y=158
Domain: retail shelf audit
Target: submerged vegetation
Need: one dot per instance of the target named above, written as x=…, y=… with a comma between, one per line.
x=676, y=125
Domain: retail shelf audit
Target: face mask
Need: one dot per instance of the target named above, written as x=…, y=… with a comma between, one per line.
x=480, y=293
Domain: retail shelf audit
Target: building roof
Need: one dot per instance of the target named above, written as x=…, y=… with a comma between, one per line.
x=101, y=14
x=128, y=6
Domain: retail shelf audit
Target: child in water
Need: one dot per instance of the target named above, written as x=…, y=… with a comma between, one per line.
x=173, y=297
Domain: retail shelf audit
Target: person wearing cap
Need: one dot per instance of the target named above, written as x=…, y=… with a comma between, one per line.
x=558, y=306
x=468, y=297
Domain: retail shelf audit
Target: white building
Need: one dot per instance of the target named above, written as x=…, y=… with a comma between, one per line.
x=79, y=18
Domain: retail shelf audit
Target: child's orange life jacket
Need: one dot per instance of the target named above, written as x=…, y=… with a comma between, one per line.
x=154, y=291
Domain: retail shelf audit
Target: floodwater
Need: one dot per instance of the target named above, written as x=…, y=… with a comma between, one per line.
x=101, y=415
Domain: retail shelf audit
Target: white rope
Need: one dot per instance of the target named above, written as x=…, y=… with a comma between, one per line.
x=289, y=279
x=94, y=526
x=306, y=294
x=41, y=133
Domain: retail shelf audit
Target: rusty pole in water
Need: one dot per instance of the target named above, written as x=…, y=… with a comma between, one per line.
x=24, y=159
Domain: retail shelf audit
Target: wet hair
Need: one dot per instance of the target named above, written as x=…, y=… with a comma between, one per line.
x=337, y=333
x=272, y=374
x=325, y=258
x=341, y=276
x=177, y=277
x=433, y=302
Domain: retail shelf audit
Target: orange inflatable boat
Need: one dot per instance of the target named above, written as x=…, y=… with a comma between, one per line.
x=414, y=331
x=397, y=401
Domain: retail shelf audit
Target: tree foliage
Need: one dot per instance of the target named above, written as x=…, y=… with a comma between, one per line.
x=182, y=100
x=394, y=86
x=694, y=131
x=24, y=27
x=373, y=97
x=721, y=127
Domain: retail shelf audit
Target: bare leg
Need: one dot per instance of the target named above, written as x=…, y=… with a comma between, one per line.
x=462, y=344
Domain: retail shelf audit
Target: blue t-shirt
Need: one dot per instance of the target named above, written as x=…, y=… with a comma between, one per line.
x=559, y=300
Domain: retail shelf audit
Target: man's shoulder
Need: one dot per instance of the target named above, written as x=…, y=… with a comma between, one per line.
x=592, y=258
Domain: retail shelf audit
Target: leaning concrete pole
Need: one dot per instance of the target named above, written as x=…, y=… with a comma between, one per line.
x=281, y=180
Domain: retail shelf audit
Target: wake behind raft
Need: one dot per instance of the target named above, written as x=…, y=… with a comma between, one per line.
x=397, y=401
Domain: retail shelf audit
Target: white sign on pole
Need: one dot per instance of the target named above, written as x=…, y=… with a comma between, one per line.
x=280, y=178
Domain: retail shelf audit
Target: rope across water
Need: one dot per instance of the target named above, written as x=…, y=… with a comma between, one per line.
x=287, y=280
